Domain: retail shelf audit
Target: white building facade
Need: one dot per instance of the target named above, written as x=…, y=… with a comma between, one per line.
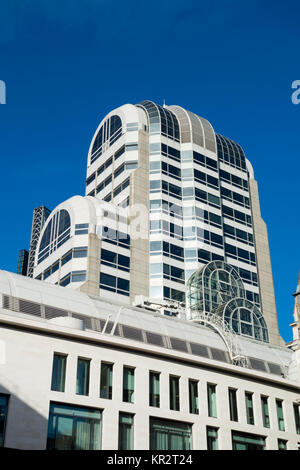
x=81, y=372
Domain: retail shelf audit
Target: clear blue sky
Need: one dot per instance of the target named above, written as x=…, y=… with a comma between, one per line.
x=67, y=63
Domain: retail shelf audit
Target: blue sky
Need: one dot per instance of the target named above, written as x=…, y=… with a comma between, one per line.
x=67, y=63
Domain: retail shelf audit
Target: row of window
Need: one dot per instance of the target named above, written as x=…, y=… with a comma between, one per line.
x=115, y=237
x=237, y=216
x=166, y=169
x=158, y=205
x=115, y=260
x=128, y=392
x=168, y=272
x=76, y=252
x=106, y=165
x=206, y=179
x=202, y=160
x=167, y=249
x=74, y=276
x=238, y=234
x=235, y=197
x=74, y=427
x=240, y=254
x=234, y=180
x=165, y=187
x=114, y=284
x=187, y=193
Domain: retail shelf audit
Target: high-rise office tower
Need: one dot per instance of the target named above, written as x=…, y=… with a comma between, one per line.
x=23, y=262
x=172, y=213
x=40, y=215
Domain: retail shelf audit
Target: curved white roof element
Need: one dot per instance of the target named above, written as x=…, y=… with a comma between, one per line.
x=40, y=292
x=128, y=113
x=194, y=128
x=86, y=210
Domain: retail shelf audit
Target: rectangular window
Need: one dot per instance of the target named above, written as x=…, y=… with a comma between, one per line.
x=83, y=376
x=170, y=435
x=154, y=396
x=128, y=384
x=249, y=407
x=282, y=445
x=297, y=417
x=106, y=380
x=265, y=411
x=72, y=427
x=243, y=441
x=212, y=400
x=3, y=415
x=280, y=417
x=212, y=438
x=125, y=431
x=233, y=404
x=174, y=393
x=193, y=396
x=59, y=372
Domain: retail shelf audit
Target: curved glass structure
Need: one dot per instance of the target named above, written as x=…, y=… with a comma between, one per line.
x=230, y=152
x=161, y=120
x=108, y=133
x=244, y=318
x=56, y=232
x=214, y=284
x=218, y=288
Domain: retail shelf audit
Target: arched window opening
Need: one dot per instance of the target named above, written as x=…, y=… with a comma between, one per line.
x=55, y=234
x=109, y=133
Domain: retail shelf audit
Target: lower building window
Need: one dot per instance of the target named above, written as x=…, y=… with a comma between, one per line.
x=128, y=384
x=170, y=435
x=212, y=400
x=106, y=380
x=265, y=411
x=282, y=445
x=249, y=408
x=3, y=415
x=154, y=395
x=74, y=428
x=193, y=396
x=243, y=441
x=280, y=417
x=212, y=438
x=297, y=417
x=83, y=376
x=125, y=431
x=174, y=393
x=233, y=404
x=59, y=372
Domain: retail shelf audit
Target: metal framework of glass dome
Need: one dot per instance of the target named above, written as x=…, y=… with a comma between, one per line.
x=218, y=289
